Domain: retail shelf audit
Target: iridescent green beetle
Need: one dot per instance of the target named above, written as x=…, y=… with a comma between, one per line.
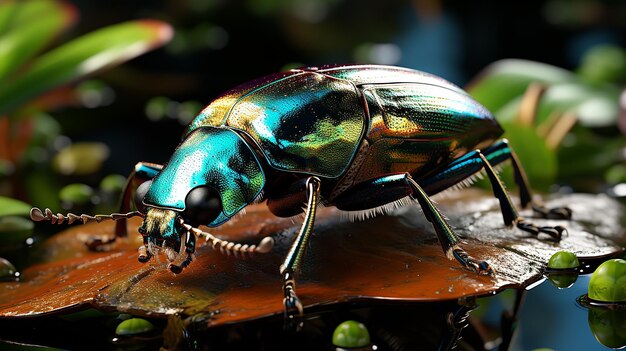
x=363, y=138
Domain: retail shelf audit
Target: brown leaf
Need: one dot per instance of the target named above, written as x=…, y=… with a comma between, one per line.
x=390, y=257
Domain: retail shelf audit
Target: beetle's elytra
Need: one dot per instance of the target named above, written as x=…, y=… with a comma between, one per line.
x=362, y=138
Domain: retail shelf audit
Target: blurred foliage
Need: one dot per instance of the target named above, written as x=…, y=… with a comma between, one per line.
x=38, y=79
x=15, y=226
x=604, y=64
x=562, y=124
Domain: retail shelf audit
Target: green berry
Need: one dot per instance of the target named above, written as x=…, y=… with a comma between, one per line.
x=7, y=270
x=133, y=326
x=608, y=282
x=351, y=334
x=113, y=183
x=563, y=260
x=76, y=194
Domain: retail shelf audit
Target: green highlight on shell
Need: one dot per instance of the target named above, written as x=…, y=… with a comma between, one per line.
x=608, y=282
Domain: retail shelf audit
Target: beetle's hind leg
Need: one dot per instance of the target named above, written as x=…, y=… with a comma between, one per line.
x=526, y=197
x=509, y=213
x=448, y=239
x=392, y=189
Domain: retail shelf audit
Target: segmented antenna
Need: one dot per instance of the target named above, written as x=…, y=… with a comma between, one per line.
x=229, y=247
x=38, y=215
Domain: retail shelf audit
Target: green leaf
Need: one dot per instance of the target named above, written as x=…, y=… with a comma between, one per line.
x=86, y=55
x=585, y=157
x=26, y=27
x=604, y=64
x=14, y=230
x=539, y=162
x=594, y=107
x=13, y=207
x=15, y=227
x=504, y=80
x=42, y=189
x=598, y=110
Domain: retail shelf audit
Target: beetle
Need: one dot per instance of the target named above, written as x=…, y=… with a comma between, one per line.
x=363, y=138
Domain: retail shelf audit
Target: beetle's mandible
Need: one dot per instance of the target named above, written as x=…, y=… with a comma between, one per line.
x=363, y=138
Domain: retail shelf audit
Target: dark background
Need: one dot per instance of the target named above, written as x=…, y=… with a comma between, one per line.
x=219, y=44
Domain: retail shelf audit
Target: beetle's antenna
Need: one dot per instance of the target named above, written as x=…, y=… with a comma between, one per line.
x=38, y=215
x=229, y=247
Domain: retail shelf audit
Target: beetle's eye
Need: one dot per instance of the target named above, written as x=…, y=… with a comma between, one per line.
x=140, y=193
x=202, y=205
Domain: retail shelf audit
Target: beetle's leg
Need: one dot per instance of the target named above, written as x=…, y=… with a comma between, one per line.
x=185, y=255
x=384, y=190
x=97, y=243
x=459, y=170
x=144, y=254
x=509, y=213
x=522, y=183
x=142, y=172
x=292, y=262
x=447, y=237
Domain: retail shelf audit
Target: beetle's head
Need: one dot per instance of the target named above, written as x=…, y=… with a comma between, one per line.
x=212, y=175
x=166, y=228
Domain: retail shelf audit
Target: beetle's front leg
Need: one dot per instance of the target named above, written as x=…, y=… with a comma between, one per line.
x=142, y=172
x=185, y=254
x=291, y=265
x=293, y=306
x=144, y=253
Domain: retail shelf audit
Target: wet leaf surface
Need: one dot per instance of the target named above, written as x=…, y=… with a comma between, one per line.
x=388, y=258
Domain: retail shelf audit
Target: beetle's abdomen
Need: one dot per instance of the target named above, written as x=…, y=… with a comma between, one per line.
x=417, y=127
x=314, y=121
